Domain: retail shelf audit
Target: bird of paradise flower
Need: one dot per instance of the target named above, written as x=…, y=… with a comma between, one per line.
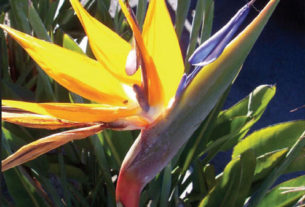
x=139, y=86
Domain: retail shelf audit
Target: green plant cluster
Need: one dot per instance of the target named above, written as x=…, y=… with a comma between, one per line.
x=84, y=173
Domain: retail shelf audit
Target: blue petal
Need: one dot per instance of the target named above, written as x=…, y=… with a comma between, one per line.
x=181, y=86
x=214, y=46
x=211, y=49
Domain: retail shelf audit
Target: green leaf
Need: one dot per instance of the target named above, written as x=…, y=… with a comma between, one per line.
x=97, y=142
x=181, y=13
x=209, y=176
x=69, y=43
x=276, y=172
x=51, y=14
x=141, y=11
x=243, y=115
x=3, y=57
x=21, y=191
x=266, y=162
x=235, y=183
x=207, y=24
x=271, y=138
x=37, y=23
x=253, y=105
x=10, y=90
x=63, y=177
x=67, y=20
x=44, y=90
x=14, y=141
x=18, y=15
x=298, y=163
x=200, y=11
x=233, y=124
x=271, y=145
x=119, y=143
x=154, y=190
x=277, y=197
x=51, y=190
x=166, y=186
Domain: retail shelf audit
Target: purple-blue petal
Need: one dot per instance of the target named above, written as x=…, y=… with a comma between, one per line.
x=214, y=46
x=181, y=86
x=211, y=49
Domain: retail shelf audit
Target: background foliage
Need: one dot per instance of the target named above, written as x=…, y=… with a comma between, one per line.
x=84, y=173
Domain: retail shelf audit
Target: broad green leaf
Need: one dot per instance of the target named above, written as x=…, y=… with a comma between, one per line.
x=271, y=138
x=266, y=162
x=231, y=125
x=276, y=172
x=252, y=105
x=298, y=163
x=278, y=197
x=235, y=183
x=216, y=146
x=243, y=115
